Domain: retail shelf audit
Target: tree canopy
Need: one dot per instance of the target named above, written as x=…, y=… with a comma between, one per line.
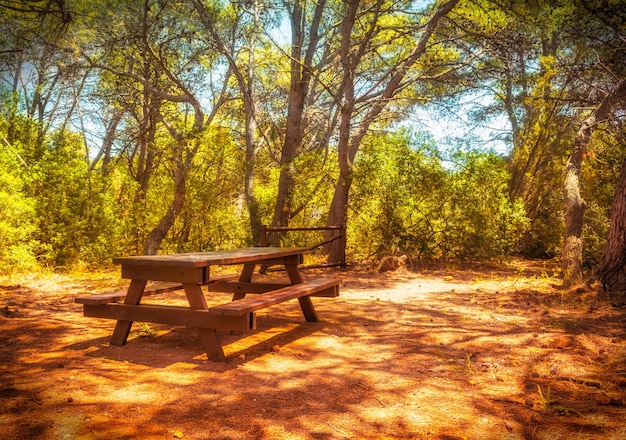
x=183, y=125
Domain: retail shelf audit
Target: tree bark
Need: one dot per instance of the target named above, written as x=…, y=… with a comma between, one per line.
x=612, y=267
x=572, y=256
x=301, y=72
x=166, y=222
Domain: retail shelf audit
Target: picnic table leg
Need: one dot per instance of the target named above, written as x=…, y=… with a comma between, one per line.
x=293, y=272
x=295, y=277
x=245, y=277
x=307, y=309
x=208, y=336
x=133, y=296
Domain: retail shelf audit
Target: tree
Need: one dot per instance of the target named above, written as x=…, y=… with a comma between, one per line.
x=308, y=36
x=377, y=88
x=239, y=47
x=17, y=208
x=600, y=44
x=405, y=201
x=41, y=76
x=156, y=54
x=611, y=270
x=45, y=84
x=519, y=72
x=544, y=62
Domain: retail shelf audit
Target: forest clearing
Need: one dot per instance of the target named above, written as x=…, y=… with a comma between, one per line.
x=487, y=352
x=451, y=133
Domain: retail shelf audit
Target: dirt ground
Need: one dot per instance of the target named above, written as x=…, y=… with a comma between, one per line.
x=481, y=353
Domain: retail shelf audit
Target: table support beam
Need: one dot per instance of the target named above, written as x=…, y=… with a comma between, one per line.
x=245, y=277
x=122, y=328
x=208, y=336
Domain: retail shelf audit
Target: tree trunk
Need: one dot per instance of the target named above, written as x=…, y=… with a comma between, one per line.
x=349, y=139
x=301, y=72
x=252, y=204
x=572, y=257
x=336, y=217
x=612, y=268
x=107, y=143
x=144, y=165
x=291, y=144
x=246, y=87
x=156, y=236
x=338, y=212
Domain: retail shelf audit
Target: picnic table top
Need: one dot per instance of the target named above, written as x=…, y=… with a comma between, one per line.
x=203, y=259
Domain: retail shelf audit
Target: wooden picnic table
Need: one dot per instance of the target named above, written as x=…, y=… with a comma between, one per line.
x=190, y=272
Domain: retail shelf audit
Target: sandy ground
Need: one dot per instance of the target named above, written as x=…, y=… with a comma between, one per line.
x=481, y=353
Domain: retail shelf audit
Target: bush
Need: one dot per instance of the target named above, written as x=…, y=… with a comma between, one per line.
x=405, y=201
x=17, y=215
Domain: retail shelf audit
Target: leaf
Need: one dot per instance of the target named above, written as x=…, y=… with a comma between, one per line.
x=178, y=434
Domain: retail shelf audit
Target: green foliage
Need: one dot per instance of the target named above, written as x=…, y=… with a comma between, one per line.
x=17, y=209
x=391, y=200
x=406, y=201
x=599, y=176
x=480, y=221
x=75, y=219
x=547, y=63
x=17, y=213
x=214, y=216
x=314, y=174
x=541, y=62
x=314, y=188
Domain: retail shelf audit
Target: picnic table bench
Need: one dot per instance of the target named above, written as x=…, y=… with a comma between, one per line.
x=156, y=289
x=190, y=272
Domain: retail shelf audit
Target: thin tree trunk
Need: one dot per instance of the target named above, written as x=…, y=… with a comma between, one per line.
x=572, y=256
x=246, y=87
x=575, y=206
x=350, y=141
x=301, y=71
x=252, y=203
x=157, y=234
x=107, y=143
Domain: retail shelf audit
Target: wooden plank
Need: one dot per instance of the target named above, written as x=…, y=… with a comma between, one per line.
x=257, y=287
x=253, y=303
x=310, y=228
x=170, y=315
x=197, y=275
x=112, y=297
x=101, y=298
x=204, y=259
x=212, y=345
x=155, y=289
x=247, y=287
x=294, y=273
x=208, y=336
x=246, y=277
x=222, y=278
x=307, y=309
x=292, y=260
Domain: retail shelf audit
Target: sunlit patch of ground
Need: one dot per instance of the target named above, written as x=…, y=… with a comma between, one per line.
x=446, y=353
